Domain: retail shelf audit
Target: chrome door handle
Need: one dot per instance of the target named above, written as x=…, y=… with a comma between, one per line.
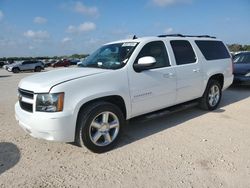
x=168, y=75
x=196, y=70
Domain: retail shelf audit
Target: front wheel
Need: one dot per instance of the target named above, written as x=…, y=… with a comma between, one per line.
x=99, y=126
x=16, y=70
x=212, y=96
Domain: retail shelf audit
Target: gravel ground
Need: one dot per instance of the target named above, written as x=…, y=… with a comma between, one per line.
x=192, y=148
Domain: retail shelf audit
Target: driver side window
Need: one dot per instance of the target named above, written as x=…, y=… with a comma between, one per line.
x=157, y=50
x=25, y=63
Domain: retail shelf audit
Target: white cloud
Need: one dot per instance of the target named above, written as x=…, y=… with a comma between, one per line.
x=83, y=9
x=84, y=27
x=1, y=15
x=31, y=47
x=168, y=30
x=163, y=3
x=36, y=35
x=39, y=20
x=66, y=40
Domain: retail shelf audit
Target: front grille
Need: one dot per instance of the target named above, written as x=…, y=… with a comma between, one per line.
x=26, y=93
x=27, y=106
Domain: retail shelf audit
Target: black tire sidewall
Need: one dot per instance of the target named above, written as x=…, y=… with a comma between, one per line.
x=15, y=70
x=87, y=119
x=38, y=69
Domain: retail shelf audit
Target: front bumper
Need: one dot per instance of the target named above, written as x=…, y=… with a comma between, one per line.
x=49, y=126
x=242, y=80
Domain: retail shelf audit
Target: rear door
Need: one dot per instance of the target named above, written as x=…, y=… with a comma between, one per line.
x=24, y=65
x=188, y=70
x=152, y=89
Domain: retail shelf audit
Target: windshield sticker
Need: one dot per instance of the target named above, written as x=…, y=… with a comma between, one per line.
x=129, y=44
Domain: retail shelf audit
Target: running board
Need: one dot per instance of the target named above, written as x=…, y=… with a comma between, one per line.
x=167, y=111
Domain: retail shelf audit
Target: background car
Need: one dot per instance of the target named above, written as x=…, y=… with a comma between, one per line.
x=7, y=63
x=74, y=61
x=61, y=63
x=242, y=68
x=2, y=64
x=34, y=65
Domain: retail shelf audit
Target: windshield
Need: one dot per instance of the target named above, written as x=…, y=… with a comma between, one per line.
x=111, y=56
x=242, y=58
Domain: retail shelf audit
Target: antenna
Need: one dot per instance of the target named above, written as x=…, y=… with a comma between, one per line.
x=134, y=37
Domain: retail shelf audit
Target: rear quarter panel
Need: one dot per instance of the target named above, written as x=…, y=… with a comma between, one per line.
x=213, y=67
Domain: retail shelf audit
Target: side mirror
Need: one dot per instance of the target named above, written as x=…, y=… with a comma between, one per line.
x=144, y=63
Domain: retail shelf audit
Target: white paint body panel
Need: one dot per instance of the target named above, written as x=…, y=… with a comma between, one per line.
x=142, y=92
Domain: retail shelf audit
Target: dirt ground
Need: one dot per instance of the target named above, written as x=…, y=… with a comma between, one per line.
x=191, y=148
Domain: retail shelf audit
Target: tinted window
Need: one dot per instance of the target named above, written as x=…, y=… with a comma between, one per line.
x=157, y=50
x=183, y=52
x=212, y=50
x=25, y=63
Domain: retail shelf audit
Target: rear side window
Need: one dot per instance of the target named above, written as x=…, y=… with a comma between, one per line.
x=25, y=63
x=183, y=52
x=212, y=50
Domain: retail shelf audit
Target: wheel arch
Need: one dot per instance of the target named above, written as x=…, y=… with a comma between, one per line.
x=114, y=99
x=219, y=77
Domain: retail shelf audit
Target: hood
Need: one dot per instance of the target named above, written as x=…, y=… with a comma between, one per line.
x=241, y=68
x=14, y=64
x=43, y=82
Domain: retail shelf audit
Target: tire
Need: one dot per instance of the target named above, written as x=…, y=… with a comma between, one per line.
x=16, y=70
x=38, y=69
x=212, y=96
x=93, y=126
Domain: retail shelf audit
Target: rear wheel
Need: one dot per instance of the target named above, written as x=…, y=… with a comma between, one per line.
x=16, y=70
x=212, y=96
x=38, y=69
x=99, y=126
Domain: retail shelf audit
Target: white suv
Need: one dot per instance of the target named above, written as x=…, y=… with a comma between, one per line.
x=33, y=65
x=90, y=104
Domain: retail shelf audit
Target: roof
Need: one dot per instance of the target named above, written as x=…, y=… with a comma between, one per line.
x=171, y=36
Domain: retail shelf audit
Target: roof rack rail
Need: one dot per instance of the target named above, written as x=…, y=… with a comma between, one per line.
x=172, y=35
x=180, y=35
x=201, y=36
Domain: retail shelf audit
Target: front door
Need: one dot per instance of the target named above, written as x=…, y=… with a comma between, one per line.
x=153, y=89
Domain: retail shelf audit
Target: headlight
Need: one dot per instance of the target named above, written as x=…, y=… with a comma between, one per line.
x=248, y=74
x=52, y=102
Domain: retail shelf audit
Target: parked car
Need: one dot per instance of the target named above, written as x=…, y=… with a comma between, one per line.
x=9, y=62
x=74, y=61
x=2, y=64
x=34, y=65
x=122, y=80
x=61, y=63
x=242, y=68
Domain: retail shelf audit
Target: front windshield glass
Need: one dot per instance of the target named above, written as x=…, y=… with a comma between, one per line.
x=111, y=56
x=242, y=58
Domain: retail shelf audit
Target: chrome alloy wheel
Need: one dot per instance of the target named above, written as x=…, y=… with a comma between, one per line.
x=104, y=128
x=214, y=95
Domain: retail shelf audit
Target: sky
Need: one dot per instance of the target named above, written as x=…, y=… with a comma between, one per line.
x=65, y=27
